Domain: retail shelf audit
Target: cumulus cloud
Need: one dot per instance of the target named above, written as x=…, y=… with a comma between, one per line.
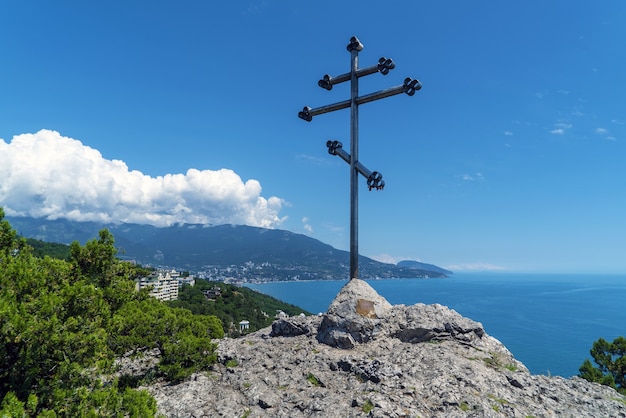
x=52, y=176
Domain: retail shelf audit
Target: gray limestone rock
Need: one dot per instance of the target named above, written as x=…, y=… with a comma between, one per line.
x=368, y=358
x=355, y=316
x=292, y=327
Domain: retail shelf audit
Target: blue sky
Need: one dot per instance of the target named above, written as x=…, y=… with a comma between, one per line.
x=509, y=158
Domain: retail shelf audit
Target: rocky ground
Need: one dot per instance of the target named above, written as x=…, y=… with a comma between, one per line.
x=365, y=357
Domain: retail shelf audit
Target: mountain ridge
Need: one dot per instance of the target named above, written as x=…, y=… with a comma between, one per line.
x=233, y=252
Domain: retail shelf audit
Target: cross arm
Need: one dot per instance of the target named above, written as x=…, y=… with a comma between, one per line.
x=374, y=178
x=384, y=66
x=409, y=87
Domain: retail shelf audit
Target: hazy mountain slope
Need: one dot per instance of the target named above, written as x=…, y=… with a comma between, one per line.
x=259, y=253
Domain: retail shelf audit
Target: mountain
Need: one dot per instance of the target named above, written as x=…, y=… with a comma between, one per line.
x=422, y=266
x=222, y=252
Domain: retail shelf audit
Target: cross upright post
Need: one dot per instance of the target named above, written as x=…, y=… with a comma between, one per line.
x=374, y=179
x=354, y=47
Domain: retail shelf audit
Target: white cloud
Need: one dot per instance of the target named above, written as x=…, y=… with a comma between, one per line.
x=557, y=131
x=313, y=159
x=389, y=259
x=508, y=133
x=601, y=131
x=474, y=267
x=469, y=177
x=52, y=176
x=306, y=225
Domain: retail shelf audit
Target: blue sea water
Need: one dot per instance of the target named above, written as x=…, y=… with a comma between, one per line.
x=548, y=321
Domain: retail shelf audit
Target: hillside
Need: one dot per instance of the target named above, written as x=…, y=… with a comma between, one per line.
x=223, y=252
x=234, y=304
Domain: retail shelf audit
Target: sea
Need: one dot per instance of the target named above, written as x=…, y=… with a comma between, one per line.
x=548, y=321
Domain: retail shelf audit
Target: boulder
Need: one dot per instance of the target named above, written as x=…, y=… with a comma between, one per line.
x=292, y=327
x=355, y=316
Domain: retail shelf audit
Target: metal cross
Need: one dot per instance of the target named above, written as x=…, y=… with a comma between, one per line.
x=374, y=179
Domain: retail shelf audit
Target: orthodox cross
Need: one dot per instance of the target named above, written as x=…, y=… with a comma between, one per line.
x=374, y=178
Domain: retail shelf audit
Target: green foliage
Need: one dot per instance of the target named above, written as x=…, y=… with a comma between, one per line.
x=367, y=406
x=610, y=359
x=182, y=338
x=313, y=380
x=54, y=250
x=101, y=401
x=234, y=304
x=62, y=322
x=499, y=400
x=11, y=406
x=232, y=363
x=96, y=259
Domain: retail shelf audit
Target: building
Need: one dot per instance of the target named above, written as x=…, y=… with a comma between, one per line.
x=162, y=286
x=186, y=281
x=212, y=293
x=244, y=326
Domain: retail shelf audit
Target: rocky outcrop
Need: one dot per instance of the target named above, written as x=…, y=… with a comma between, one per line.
x=365, y=357
x=357, y=315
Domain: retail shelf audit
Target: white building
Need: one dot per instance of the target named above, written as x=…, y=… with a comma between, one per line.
x=244, y=325
x=162, y=286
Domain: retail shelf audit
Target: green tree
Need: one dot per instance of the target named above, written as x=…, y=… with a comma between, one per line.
x=610, y=360
x=56, y=322
x=51, y=327
x=42, y=248
x=96, y=259
x=182, y=338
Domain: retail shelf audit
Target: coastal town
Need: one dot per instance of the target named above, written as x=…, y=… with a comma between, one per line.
x=165, y=280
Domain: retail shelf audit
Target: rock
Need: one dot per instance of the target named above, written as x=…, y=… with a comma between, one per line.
x=292, y=327
x=355, y=316
x=420, y=323
x=368, y=358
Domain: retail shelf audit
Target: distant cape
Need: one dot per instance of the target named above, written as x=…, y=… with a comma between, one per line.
x=422, y=266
